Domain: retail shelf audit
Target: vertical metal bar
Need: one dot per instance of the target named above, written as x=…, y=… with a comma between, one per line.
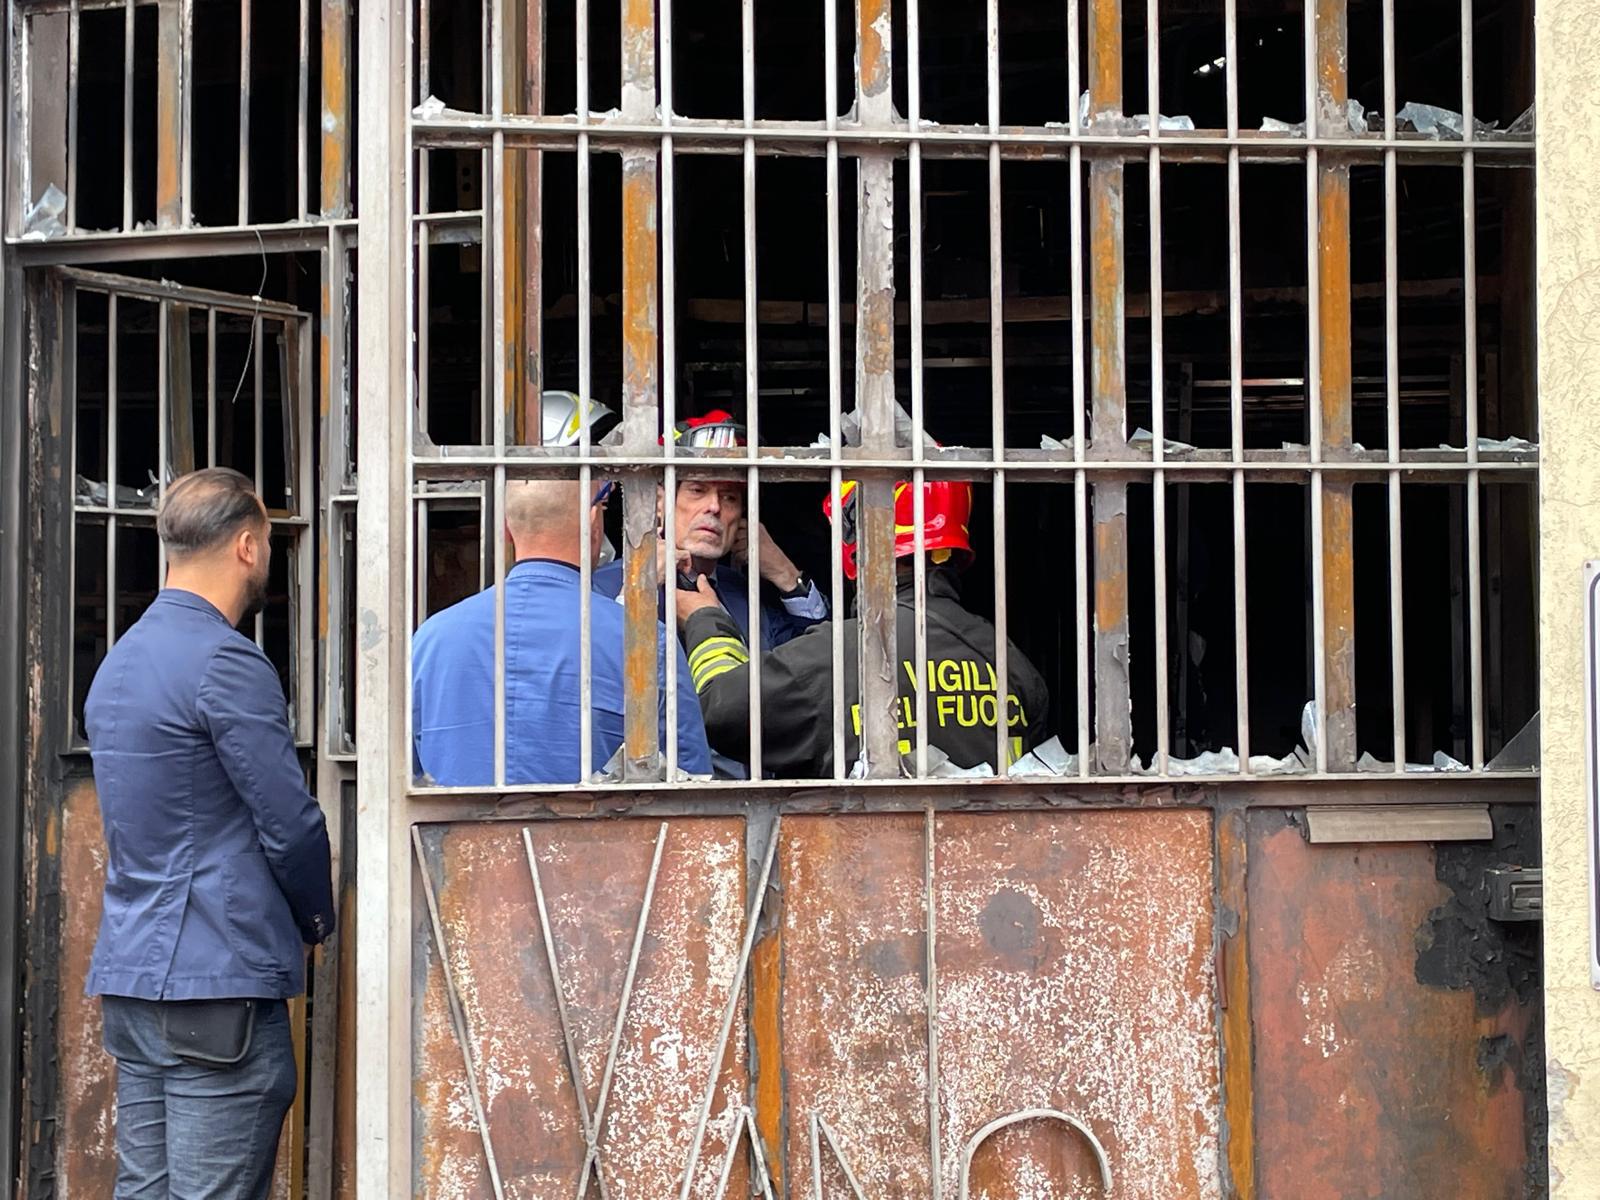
x=172, y=83
x=186, y=145
x=74, y=49
x=585, y=372
x=1333, y=407
x=997, y=391
x=1469, y=276
x=494, y=208
x=830, y=83
x=1241, y=623
x=752, y=374
x=257, y=357
x=500, y=585
x=1080, y=478
x=303, y=623
x=1158, y=404
x=879, y=665
x=112, y=405
x=1241, y=598
x=335, y=75
x=302, y=164
x=1158, y=499
x=19, y=117
x=1113, y=717
x=930, y=905
x=640, y=417
x=163, y=424
x=669, y=361
x=918, y=483
x=127, y=114
x=244, y=110
x=211, y=387
x=841, y=714
x=1080, y=558
x=383, y=854
x=1391, y=380
x=753, y=603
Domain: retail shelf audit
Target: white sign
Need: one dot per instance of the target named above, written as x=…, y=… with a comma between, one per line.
x=1591, y=746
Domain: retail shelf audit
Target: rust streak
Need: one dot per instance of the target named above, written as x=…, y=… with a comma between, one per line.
x=1335, y=387
x=169, y=117
x=1105, y=58
x=873, y=48
x=1108, y=432
x=1237, y=1064
x=766, y=1036
x=335, y=108
x=640, y=298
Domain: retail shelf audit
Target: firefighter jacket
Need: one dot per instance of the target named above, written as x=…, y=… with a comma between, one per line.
x=797, y=687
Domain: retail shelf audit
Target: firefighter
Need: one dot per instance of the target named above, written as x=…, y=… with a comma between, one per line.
x=797, y=677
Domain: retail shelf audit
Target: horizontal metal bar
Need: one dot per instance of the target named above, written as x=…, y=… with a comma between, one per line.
x=160, y=289
x=736, y=797
x=33, y=8
x=475, y=467
x=225, y=241
x=148, y=516
x=474, y=131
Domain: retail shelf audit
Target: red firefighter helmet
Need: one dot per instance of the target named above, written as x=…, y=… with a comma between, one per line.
x=946, y=514
x=715, y=428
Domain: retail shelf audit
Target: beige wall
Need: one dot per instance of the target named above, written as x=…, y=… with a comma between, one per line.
x=1568, y=98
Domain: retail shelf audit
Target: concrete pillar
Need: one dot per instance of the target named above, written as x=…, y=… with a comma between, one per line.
x=1568, y=105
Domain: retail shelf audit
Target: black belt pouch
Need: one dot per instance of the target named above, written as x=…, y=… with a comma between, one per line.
x=209, y=1033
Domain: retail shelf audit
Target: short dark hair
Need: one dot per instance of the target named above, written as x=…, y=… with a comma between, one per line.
x=204, y=508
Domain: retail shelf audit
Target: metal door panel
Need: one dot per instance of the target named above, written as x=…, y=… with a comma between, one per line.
x=594, y=876
x=1368, y=1081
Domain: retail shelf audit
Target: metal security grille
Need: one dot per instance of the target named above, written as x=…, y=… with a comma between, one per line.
x=165, y=380
x=1115, y=163
x=95, y=81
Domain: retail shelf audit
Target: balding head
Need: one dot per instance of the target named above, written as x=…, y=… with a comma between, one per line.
x=547, y=518
x=204, y=510
x=218, y=540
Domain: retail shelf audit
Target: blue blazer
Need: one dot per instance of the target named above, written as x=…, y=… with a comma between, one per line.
x=217, y=863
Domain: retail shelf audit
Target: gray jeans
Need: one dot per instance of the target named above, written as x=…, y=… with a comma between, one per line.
x=187, y=1132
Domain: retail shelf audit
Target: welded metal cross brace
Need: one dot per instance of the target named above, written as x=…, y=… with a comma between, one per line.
x=745, y=1123
x=592, y=1123
x=820, y=1133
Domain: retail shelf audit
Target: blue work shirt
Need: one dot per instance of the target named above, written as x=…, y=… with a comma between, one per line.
x=452, y=672
x=217, y=862
x=780, y=623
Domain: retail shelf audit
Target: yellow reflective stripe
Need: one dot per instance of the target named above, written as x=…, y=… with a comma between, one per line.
x=709, y=671
x=717, y=646
x=703, y=679
x=718, y=658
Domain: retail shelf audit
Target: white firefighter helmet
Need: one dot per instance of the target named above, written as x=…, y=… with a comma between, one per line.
x=560, y=413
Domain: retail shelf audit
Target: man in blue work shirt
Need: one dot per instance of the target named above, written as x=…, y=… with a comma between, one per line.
x=452, y=660
x=217, y=862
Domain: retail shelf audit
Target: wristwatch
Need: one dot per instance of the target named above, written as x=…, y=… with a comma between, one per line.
x=801, y=589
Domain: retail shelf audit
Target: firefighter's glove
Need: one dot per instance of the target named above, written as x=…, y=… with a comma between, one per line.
x=690, y=603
